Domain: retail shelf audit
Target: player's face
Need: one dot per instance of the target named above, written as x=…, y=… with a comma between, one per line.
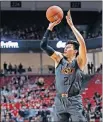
x=69, y=50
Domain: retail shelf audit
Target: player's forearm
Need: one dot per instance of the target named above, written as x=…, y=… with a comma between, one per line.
x=78, y=36
x=44, y=43
x=82, y=47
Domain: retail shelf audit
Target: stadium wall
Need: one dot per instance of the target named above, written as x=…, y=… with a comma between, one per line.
x=27, y=59
x=34, y=59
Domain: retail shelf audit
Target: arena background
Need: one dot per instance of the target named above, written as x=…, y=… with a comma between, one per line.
x=23, y=24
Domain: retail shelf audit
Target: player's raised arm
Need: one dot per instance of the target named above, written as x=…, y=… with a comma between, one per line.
x=56, y=56
x=81, y=59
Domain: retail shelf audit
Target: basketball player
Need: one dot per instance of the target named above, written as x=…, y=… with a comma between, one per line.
x=68, y=71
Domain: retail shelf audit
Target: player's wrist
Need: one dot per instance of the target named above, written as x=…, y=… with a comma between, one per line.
x=72, y=26
x=50, y=28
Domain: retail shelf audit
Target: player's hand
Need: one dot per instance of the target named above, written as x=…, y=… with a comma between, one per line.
x=53, y=24
x=69, y=19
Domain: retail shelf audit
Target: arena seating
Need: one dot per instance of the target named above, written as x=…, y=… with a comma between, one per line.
x=48, y=83
x=37, y=97
x=33, y=29
x=4, y=81
x=94, y=85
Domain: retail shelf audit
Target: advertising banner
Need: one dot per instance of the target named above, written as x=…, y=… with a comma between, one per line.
x=34, y=45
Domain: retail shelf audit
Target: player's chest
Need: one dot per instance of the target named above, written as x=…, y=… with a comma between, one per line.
x=67, y=68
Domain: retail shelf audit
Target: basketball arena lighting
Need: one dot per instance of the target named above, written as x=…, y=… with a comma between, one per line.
x=9, y=44
x=60, y=44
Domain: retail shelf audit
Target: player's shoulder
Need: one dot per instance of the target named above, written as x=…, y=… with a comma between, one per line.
x=59, y=58
x=59, y=53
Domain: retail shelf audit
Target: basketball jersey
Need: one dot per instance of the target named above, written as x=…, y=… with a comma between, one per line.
x=68, y=77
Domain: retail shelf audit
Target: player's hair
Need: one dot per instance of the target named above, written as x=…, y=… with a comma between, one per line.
x=75, y=44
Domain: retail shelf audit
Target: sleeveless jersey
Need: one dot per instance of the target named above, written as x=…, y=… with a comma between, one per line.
x=68, y=77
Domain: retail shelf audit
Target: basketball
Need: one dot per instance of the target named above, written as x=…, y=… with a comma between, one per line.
x=54, y=13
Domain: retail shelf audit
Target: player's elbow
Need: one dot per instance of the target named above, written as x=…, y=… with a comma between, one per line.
x=43, y=45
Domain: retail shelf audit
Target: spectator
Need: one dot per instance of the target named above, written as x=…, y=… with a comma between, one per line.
x=92, y=68
x=101, y=66
x=97, y=98
x=20, y=68
x=40, y=81
x=5, y=67
x=97, y=116
x=89, y=106
x=24, y=112
x=29, y=69
x=10, y=68
x=89, y=67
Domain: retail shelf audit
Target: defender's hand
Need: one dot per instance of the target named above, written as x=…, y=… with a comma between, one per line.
x=53, y=24
x=69, y=19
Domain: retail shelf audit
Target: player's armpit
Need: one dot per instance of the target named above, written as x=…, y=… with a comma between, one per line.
x=82, y=57
x=57, y=56
x=81, y=62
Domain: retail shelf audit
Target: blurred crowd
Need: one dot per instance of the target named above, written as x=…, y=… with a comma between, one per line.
x=92, y=69
x=26, y=98
x=32, y=25
x=98, y=33
x=35, y=32
x=94, y=112
x=23, y=97
x=10, y=69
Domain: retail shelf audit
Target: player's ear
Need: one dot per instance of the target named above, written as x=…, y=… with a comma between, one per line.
x=75, y=51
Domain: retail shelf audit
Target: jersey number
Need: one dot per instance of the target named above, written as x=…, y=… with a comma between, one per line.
x=66, y=82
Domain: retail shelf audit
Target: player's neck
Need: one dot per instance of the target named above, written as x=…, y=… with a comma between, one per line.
x=70, y=59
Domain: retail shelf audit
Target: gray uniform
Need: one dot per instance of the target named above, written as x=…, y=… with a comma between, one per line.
x=68, y=81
